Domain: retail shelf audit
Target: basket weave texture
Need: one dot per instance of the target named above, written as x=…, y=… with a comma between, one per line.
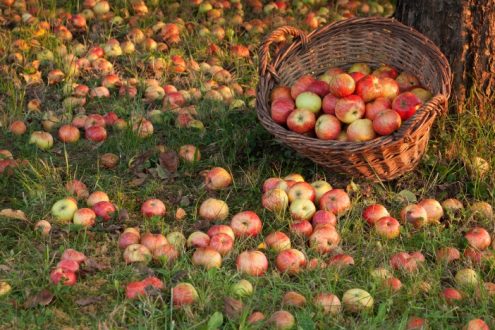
x=373, y=41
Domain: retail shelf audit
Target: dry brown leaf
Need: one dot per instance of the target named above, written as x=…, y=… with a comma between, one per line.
x=43, y=298
x=13, y=214
x=88, y=300
x=169, y=160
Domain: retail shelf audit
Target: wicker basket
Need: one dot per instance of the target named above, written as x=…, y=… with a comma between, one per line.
x=369, y=40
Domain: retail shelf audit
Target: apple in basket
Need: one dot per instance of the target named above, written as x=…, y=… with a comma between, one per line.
x=349, y=109
x=301, y=121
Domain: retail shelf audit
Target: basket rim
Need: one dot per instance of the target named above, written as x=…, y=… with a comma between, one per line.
x=432, y=106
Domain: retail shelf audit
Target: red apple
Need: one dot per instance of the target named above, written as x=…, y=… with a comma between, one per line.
x=255, y=317
x=406, y=104
x=281, y=109
x=407, y=81
x=271, y=183
x=476, y=324
x=327, y=127
x=447, y=254
x=341, y=261
x=301, y=228
x=85, y=217
x=78, y=188
x=405, y=261
x=253, y=263
x=324, y=238
x=213, y=210
x=110, y=118
x=393, y=284
x=281, y=320
x=350, y=108
x=416, y=323
x=68, y=265
x=166, y=254
x=385, y=71
x=328, y=104
x=198, y=239
x=322, y=217
x=17, y=127
x=275, y=200
x=128, y=237
x=68, y=134
x=378, y=105
x=137, y=253
x=321, y=187
x=390, y=88
x=189, y=153
x=104, y=210
x=361, y=130
x=387, y=227
x=301, y=85
x=415, y=215
x=96, y=197
x=135, y=289
x=184, y=294
x=280, y=92
x=62, y=276
x=290, y=261
x=387, y=122
x=222, y=243
x=95, y=133
x=218, y=178
x=301, y=121
x=369, y=88
x=294, y=299
x=336, y=201
x=296, y=177
x=246, y=224
x=71, y=254
x=207, y=257
x=221, y=229
x=301, y=190
x=319, y=87
x=434, y=210
x=374, y=212
x=329, y=303
x=451, y=295
x=478, y=238
x=342, y=85
x=153, y=241
x=94, y=119
x=277, y=241
x=357, y=76
x=330, y=74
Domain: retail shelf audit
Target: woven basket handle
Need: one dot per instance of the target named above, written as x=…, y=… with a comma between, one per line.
x=438, y=105
x=278, y=35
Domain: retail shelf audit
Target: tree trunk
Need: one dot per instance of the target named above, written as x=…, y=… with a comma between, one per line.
x=465, y=32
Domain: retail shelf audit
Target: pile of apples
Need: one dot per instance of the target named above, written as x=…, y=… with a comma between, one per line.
x=66, y=271
x=356, y=105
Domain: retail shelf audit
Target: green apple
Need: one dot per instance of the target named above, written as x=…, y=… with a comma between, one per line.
x=42, y=140
x=243, y=288
x=64, y=209
x=177, y=239
x=357, y=300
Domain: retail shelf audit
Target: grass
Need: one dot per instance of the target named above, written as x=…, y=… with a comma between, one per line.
x=234, y=140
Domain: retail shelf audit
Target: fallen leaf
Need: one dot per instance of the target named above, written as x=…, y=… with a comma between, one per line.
x=123, y=215
x=43, y=298
x=88, y=300
x=232, y=308
x=136, y=182
x=169, y=160
x=408, y=196
x=13, y=214
x=93, y=266
x=4, y=268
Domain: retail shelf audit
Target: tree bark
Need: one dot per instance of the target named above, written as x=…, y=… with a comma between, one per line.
x=465, y=31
